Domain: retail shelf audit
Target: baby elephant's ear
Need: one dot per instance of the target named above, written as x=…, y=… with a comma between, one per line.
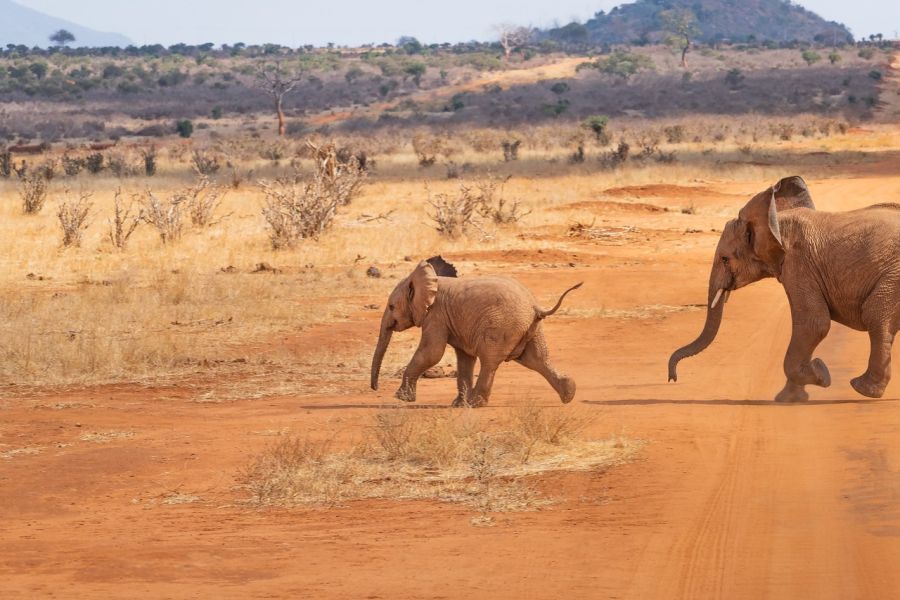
x=423, y=286
x=441, y=267
x=791, y=192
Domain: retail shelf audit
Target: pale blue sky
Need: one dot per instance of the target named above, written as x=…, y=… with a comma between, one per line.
x=353, y=22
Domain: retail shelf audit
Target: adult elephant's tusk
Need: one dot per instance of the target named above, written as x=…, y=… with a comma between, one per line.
x=715, y=300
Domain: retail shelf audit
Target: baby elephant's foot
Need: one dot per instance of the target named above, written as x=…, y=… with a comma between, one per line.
x=792, y=393
x=823, y=377
x=459, y=402
x=567, y=389
x=867, y=387
x=475, y=401
x=406, y=394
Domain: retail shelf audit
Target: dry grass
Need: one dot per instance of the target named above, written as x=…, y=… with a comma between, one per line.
x=464, y=456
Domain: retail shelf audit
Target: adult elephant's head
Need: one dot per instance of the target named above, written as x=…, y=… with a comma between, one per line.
x=750, y=249
x=408, y=304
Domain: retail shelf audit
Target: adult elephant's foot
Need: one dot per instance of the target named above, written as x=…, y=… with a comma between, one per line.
x=792, y=393
x=823, y=377
x=867, y=387
x=475, y=401
x=459, y=402
x=406, y=394
x=567, y=389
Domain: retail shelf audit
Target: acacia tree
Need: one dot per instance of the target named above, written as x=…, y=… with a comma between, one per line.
x=271, y=79
x=680, y=27
x=511, y=37
x=62, y=37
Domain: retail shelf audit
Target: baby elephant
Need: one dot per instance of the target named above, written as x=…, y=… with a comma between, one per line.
x=493, y=319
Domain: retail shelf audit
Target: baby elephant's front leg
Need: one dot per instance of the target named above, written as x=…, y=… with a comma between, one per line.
x=428, y=354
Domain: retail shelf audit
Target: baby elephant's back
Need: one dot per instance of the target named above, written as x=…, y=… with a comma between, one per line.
x=497, y=301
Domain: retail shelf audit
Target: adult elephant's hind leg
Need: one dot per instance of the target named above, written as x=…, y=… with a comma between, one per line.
x=810, y=324
x=873, y=382
x=537, y=358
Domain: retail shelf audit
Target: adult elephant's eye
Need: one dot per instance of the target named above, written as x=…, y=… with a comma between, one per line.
x=390, y=307
x=750, y=235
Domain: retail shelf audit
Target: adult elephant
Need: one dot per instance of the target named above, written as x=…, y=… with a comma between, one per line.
x=833, y=266
x=492, y=319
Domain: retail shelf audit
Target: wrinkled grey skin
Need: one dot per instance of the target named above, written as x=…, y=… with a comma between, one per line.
x=492, y=319
x=833, y=266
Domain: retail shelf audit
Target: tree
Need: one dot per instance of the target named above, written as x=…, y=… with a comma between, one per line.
x=274, y=82
x=811, y=57
x=416, y=70
x=512, y=37
x=62, y=37
x=621, y=64
x=680, y=27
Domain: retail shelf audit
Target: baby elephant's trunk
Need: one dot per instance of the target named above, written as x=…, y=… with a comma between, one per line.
x=539, y=315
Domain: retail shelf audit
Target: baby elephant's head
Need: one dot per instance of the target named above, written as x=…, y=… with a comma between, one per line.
x=408, y=304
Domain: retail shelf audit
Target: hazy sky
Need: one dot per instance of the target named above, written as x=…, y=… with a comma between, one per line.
x=353, y=22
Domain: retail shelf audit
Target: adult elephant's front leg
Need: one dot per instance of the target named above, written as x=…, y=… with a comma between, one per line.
x=810, y=324
x=429, y=353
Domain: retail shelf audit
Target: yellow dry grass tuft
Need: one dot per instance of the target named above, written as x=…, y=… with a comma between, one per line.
x=471, y=457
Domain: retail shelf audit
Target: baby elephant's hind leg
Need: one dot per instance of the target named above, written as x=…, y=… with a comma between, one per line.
x=537, y=358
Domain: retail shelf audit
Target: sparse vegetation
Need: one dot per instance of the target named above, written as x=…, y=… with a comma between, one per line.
x=73, y=212
x=452, y=457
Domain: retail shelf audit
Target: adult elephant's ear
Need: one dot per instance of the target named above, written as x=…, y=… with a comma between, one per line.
x=423, y=286
x=791, y=192
x=441, y=266
x=763, y=232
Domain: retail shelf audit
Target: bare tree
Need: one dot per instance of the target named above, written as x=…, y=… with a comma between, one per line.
x=512, y=36
x=271, y=79
x=680, y=27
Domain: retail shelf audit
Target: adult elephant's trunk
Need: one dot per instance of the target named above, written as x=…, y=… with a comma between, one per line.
x=384, y=338
x=718, y=295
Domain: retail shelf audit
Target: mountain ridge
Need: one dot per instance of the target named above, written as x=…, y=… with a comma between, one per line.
x=643, y=21
x=21, y=25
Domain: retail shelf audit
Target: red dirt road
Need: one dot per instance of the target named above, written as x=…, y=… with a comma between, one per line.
x=732, y=496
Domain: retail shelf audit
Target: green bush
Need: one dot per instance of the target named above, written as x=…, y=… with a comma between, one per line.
x=597, y=124
x=811, y=57
x=184, y=128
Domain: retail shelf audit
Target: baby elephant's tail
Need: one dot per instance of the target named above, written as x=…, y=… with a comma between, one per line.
x=543, y=314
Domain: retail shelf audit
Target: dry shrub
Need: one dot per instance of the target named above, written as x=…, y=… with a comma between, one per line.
x=203, y=198
x=295, y=210
x=429, y=147
x=456, y=456
x=73, y=217
x=455, y=215
x=123, y=164
x=123, y=223
x=204, y=162
x=164, y=215
x=33, y=190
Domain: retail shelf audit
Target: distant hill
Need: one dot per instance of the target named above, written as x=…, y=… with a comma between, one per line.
x=22, y=25
x=734, y=20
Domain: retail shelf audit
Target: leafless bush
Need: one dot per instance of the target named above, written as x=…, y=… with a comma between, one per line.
x=33, y=190
x=203, y=199
x=72, y=165
x=511, y=150
x=295, y=210
x=48, y=169
x=455, y=215
x=164, y=215
x=149, y=156
x=238, y=175
x=94, y=163
x=123, y=165
x=614, y=158
x=6, y=163
x=204, y=161
x=73, y=217
x=428, y=148
x=123, y=223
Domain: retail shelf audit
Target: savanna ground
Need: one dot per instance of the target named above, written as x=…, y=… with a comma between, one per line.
x=178, y=423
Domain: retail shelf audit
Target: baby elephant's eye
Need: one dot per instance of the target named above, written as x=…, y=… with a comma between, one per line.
x=390, y=307
x=725, y=259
